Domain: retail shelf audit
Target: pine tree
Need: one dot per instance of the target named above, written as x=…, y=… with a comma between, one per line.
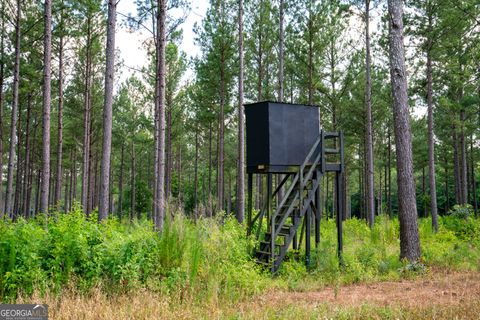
x=241, y=134
x=14, y=118
x=107, y=110
x=409, y=237
x=159, y=199
x=46, y=107
x=370, y=194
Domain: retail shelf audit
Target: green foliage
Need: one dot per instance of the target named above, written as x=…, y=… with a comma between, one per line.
x=373, y=254
x=209, y=260
x=461, y=211
x=466, y=228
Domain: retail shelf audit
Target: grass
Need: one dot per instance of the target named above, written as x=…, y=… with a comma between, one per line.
x=206, y=268
x=373, y=254
x=151, y=305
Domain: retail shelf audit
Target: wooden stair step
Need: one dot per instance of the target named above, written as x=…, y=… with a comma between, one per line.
x=332, y=151
x=267, y=243
x=267, y=264
x=262, y=253
x=283, y=232
x=329, y=135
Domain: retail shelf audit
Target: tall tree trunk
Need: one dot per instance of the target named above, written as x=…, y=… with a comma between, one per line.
x=204, y=189
x=86, y=119
x=74, y=186
x=259, y=59
x=58, y=184
x=110, y=194
x=160, y=181
x=424, y=203
x=210, y=164
x=333, y=102
x=179, y=175
x=120, y=185
x=107, y=112
x=69, y=201
x=195, y=186
x=281, y=62
x=156, y=136
x=2, y=75
x=469, y=174
x=360, y=184
x=240, y=214
x=221, y=131
x=474, y=182
x=447, y=195
x=463, y=160
x=389, y=164
x=456, y=166
x=37, y=190
x=27, y=171
x=65, y=192
x=385, y=182
x=13, y=122
x=91, y=181
x=409, y=236
x=168, y=137
x=96, y=184
x=370, y=195
x=380, y=195
x=51, y=190
x=46, y=107
x=18, y=178
x=132, y=183
x=310, y=54
x=229, y=194
x=73, y=173
x=281, y=54
x=32, y=170
x=169, y=145
x=431, y=142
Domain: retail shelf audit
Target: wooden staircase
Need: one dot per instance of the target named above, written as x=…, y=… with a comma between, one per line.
x=299, y=202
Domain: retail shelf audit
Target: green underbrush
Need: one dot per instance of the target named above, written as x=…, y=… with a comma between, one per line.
x=209, y=260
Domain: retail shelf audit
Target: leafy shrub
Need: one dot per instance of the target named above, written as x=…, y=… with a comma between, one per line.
x=466, y=228
x=461, y=211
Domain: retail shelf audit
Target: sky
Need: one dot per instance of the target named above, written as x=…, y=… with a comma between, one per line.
x=130, y=43
x=134, y=57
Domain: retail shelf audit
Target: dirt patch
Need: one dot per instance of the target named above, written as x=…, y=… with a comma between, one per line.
x=443, y=289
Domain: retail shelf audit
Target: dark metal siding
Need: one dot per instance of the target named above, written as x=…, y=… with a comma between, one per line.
x=257, y=134
x=280, y=134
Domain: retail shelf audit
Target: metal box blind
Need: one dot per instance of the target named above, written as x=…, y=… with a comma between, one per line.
x=279, y=135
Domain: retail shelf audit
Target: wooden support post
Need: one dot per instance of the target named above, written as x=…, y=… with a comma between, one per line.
x=269, y=215
x=295, y=238
x=308, y=216
x=249, y=204
x=266, y=197
x=318, y=212
x=339, y=211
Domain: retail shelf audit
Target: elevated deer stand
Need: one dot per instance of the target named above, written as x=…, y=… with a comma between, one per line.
x=286, y=139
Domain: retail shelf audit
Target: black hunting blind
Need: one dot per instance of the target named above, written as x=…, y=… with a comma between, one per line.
x=287, y=140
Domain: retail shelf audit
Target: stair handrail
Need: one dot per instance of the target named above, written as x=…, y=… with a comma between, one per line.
x=301, y=179
x=298, y=176
x=304, y=164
